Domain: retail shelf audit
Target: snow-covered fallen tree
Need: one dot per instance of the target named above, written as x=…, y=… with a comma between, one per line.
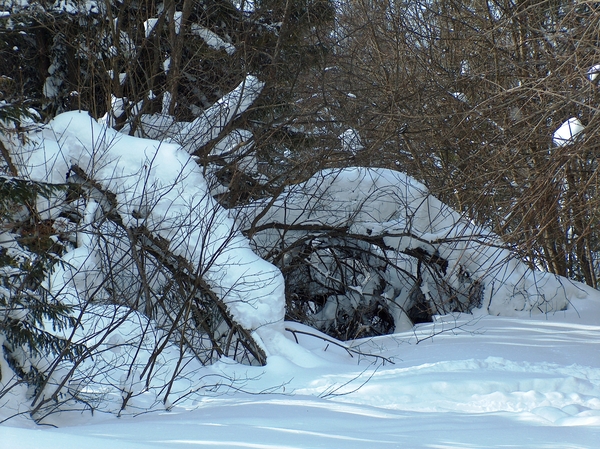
x=367, y=251
x=158, y=190
x=223, y=154
x=209, y=124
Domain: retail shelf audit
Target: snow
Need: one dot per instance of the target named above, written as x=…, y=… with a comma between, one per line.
x=160, y=183
x=177, y=18
x=462, y=381
x=51, y=85
x=149, y=26
x=122, y=77
x=245, y=6
x=459, y=96
x=212, y=39
x=384, y=203
x=593, y=72
x=351, y=141
x=236, y=147
x=212, y=121
x=567, y=133
x=521, y=371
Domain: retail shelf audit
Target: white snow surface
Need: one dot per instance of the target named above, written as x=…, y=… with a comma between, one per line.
x=460, y=382
x=159, y=186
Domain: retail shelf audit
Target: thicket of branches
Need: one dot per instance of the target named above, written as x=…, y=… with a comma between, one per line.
x=270, y=98
x=466, y=96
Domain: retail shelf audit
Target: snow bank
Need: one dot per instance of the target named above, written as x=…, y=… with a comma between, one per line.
x=463, y=388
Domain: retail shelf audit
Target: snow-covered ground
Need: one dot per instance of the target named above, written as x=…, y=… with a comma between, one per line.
x=461, y=382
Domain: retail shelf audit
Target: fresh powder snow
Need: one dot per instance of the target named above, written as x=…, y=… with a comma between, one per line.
x=486, y=382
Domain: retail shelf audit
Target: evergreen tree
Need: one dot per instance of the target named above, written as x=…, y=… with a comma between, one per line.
x=31, y=321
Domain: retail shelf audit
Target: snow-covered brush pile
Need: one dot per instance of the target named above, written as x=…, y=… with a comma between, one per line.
x=369, y=251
